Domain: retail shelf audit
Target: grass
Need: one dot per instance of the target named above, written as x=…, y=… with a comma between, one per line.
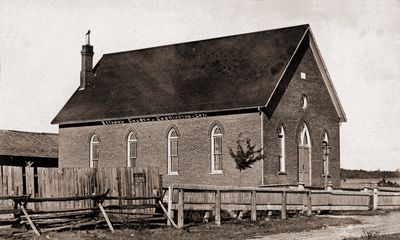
x=227, y=231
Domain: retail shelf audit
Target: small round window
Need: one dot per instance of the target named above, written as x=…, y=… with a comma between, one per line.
x=303, y=102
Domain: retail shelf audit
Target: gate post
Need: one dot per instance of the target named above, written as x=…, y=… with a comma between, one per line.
x=181, y=208
x=253, y=206
x=309, y=204
x=170, y=211
x=218, y=207
x=375, y=199
x=283, y=206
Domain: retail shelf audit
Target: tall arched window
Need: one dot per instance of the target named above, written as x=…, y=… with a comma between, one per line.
x=132, y=150
x=94, y=151
x=326, y=151
x=281, y=149
x=172, y=152
x=216, y=150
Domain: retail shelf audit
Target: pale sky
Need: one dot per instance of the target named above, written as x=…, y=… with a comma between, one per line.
x=40, y=43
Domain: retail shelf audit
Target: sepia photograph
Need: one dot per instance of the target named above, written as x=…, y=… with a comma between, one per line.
x=200, y=119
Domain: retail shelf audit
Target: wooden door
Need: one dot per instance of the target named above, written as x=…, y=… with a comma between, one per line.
x=304, y=165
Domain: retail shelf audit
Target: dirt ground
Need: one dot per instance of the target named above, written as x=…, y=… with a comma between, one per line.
x=381, y=226
x=227, y=231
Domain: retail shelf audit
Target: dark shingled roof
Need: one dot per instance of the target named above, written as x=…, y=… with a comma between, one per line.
x=28, y=144
x=225, y=73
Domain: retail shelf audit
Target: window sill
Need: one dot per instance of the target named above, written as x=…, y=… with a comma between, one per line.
x=173, y=174
x=282, y=173
x=216, y=173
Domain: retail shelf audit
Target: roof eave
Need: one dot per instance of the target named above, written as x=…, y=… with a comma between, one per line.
x=55, y=121
x=328, y=81
x=256, y=108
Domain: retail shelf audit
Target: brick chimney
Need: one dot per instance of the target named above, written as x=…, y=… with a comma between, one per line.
x=87, y=63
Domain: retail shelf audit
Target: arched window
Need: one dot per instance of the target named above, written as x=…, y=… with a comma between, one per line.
x=132, y=150
x=172, y=152
x=305, y=137
x=326, y=151
x=216, y=150
x=281, y=149
x=94, y=151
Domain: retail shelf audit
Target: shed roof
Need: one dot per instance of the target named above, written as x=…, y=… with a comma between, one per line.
x=226, y=73
x=28, y=144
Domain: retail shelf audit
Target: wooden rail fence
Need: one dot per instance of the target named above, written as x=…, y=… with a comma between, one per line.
x=215, y=199
x=53, y=199
x=95, y=216
x=68, y=194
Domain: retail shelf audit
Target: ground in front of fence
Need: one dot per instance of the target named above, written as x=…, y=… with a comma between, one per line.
x=228, y=230
x=373, y=236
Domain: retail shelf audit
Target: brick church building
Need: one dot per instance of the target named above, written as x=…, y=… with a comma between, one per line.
x=181, y=107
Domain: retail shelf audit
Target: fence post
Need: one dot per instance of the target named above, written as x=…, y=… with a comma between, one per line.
x=329, y=186
x=283, y=207
x=160, y=184
x=23, y=204
x=170, y=211
x=309, y=204
x=375, y=199
x=253, y=206
x=181, y=209
x=371, y=200
x=218, y=207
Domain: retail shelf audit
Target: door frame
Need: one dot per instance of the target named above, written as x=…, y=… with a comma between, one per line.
x=305, y=142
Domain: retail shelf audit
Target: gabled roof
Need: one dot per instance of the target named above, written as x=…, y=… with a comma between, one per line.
x=28, y=144
x=227, y=73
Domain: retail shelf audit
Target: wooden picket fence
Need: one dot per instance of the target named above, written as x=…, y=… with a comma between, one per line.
x=208, y=198
x=74, y=182
x=47, y=199
x=65, y=195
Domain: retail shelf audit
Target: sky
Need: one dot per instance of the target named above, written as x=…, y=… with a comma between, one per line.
x=40, y=43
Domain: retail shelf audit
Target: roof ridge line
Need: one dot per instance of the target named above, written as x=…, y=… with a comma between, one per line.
x=206, y=39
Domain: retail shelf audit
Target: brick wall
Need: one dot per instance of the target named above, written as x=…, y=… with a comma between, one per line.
x=195, y=143
x=320, y=115
x=194, y=147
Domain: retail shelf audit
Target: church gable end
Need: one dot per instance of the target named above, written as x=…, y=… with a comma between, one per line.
x=302, y=98
x=307, y=44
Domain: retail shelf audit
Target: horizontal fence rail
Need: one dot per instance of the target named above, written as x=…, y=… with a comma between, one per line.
x=73, y=192
x=71, y=197
x=253, y=199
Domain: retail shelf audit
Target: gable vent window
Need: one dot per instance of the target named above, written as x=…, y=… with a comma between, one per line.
x=303, y=75
x=304, y=102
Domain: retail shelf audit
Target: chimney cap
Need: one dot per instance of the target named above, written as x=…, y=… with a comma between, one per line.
x=88, y=37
